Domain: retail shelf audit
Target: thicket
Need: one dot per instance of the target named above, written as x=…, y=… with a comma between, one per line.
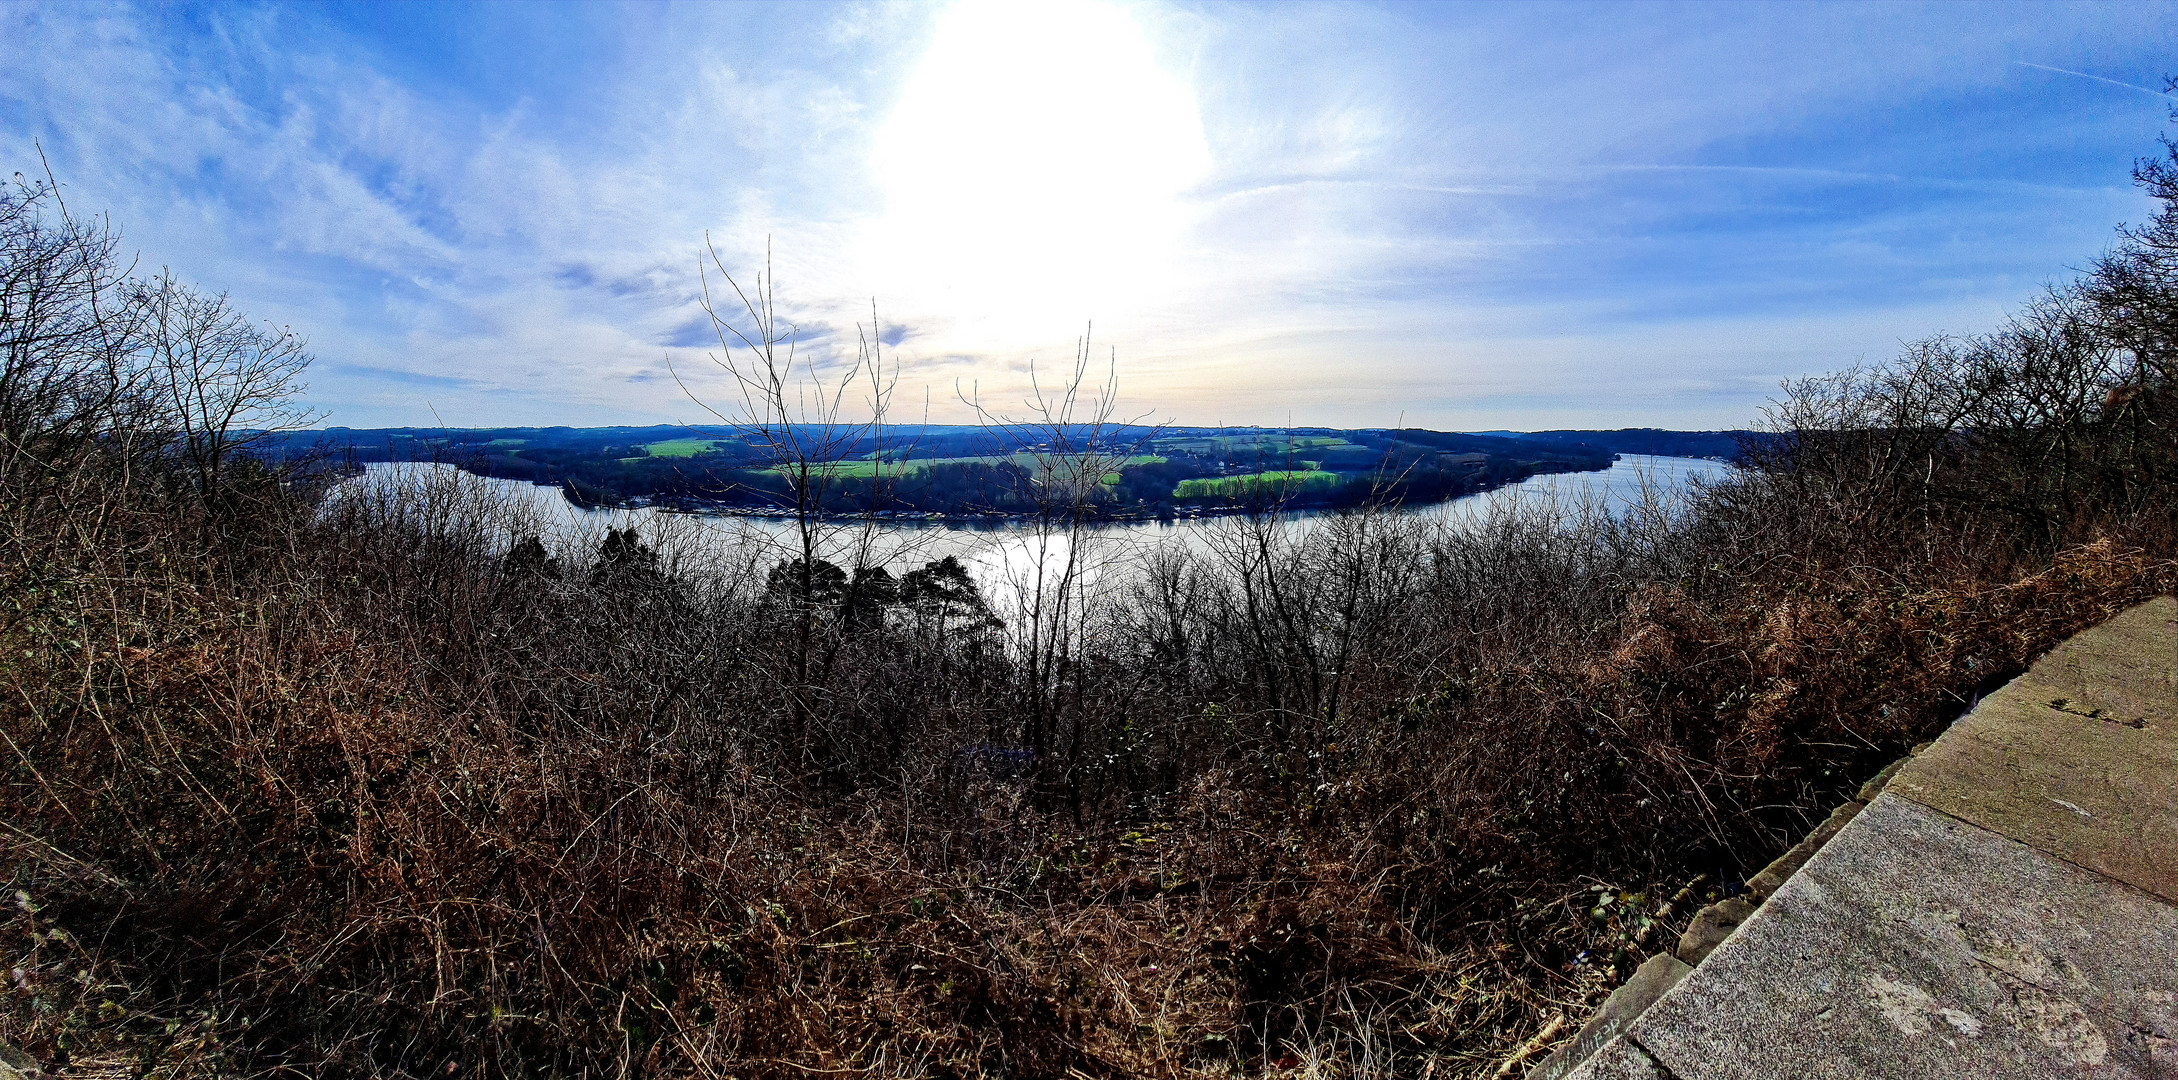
x=317, y=779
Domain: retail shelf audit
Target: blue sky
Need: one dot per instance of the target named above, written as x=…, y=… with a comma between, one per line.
x=1460, y=216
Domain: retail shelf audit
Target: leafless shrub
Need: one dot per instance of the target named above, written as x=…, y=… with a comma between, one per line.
x=220, y=383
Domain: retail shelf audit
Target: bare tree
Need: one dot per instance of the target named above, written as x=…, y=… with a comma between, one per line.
x=67, y=328
x=813, y=423
x=1064, y=440
x=222, y=382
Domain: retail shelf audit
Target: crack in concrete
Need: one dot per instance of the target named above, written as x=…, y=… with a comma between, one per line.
x=1655, y=1063
x=2064, y=705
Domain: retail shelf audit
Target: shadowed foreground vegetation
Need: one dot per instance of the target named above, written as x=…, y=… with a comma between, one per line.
x=347, y=786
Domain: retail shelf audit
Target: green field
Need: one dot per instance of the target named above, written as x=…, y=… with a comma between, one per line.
x=864, y=469
x=680, y=447
x=1282, y=481
x=1033, y=460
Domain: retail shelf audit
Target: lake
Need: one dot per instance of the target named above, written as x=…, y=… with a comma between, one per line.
x=1009, y=559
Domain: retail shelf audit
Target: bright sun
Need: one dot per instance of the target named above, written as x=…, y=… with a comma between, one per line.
x=1035, y=165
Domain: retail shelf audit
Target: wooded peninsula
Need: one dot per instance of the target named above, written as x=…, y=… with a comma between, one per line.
x=1108, y=471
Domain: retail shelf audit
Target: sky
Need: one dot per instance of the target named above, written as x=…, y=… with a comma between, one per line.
x=1459, y=216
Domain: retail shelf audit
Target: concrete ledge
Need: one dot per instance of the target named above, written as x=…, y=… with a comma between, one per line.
x=1916, y=945
x=2006, y=906
x=1618, y=1060
x=2078, y=757
x=16, y=1065
x=1656, y=975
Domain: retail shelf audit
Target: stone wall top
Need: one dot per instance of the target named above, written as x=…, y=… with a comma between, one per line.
x=2006, y=907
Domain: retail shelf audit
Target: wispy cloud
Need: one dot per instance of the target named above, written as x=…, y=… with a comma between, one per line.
x=1466, y=215
x=2097, y=78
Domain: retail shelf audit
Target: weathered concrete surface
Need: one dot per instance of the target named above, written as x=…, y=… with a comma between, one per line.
x=2128, y=665
x=2007, y=906
x=2078, y=757
x=1711, y=926
x=1617, y=1060
x=1914, y=945
x=1618, y=1012
x=16, y=1065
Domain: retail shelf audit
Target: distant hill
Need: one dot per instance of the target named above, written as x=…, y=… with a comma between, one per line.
x=1721, y=445
x=950, y=470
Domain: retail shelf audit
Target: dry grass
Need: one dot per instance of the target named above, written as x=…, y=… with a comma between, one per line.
x=358, y=802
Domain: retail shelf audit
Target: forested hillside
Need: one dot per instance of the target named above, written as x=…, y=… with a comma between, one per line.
x=1721, y=445
x=969, y=470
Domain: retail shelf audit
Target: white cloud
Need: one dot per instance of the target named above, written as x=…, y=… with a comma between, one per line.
x=1329, y=213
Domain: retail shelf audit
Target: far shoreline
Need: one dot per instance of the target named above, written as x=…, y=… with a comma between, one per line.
x=971, y=518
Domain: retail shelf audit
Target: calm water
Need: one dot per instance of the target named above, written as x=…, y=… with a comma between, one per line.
x=1010, y=560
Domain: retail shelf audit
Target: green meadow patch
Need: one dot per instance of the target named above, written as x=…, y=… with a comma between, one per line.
x=682, y=447
x=863, y=469
x=1278, y=482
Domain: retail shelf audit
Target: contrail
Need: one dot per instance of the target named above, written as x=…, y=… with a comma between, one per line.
x=2097, y=78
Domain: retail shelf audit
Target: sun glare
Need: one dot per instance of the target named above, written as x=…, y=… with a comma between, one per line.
x=1035, y=165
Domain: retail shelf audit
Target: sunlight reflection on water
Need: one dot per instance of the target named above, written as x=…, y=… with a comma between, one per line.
x=1012, y=563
